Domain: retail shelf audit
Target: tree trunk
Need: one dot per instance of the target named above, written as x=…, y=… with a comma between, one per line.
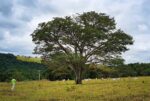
x=78, y=75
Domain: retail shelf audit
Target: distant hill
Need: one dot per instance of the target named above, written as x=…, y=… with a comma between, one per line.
x=29, y=59
x=19, y=67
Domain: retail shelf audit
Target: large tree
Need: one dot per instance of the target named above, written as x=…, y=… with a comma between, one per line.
x=90, y=37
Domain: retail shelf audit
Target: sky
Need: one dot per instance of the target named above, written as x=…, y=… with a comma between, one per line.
x=19, y=18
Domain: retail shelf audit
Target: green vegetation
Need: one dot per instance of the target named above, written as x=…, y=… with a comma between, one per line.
x=124, y=89
x=108, y=89
x=11, y=67
x=76, y=40
x=29, y=59
x=78, y=47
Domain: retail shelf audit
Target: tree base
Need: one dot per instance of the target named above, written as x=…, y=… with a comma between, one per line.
x=78, y=81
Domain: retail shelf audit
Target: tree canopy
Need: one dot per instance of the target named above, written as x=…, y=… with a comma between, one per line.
x=85, y=38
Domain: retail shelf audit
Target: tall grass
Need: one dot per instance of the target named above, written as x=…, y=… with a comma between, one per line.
x=124, y=89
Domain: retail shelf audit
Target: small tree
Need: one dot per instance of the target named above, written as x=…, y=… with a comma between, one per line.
x=85, y=38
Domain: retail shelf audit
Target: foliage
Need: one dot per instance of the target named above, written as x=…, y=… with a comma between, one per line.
x=11, y=67
x=118, y=61
x=85, y=38
x=102, y=71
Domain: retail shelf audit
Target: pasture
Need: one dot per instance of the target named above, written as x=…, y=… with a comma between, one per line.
x=124, y=89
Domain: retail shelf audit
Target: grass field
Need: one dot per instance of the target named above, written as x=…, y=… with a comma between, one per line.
x=31, y=59
x=124, y=89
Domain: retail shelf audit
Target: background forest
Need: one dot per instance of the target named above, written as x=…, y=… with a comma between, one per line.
x=27, y=68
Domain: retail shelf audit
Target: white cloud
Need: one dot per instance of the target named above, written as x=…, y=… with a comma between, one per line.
x=143, y=27
x=21, y=44
x=140, y=51
x=130, y=15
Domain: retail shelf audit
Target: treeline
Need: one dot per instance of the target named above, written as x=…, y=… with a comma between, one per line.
x=101, y=71
x=132, y=70
x=11, y=67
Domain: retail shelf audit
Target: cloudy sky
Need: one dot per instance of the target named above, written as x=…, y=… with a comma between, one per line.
x=18, y=19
